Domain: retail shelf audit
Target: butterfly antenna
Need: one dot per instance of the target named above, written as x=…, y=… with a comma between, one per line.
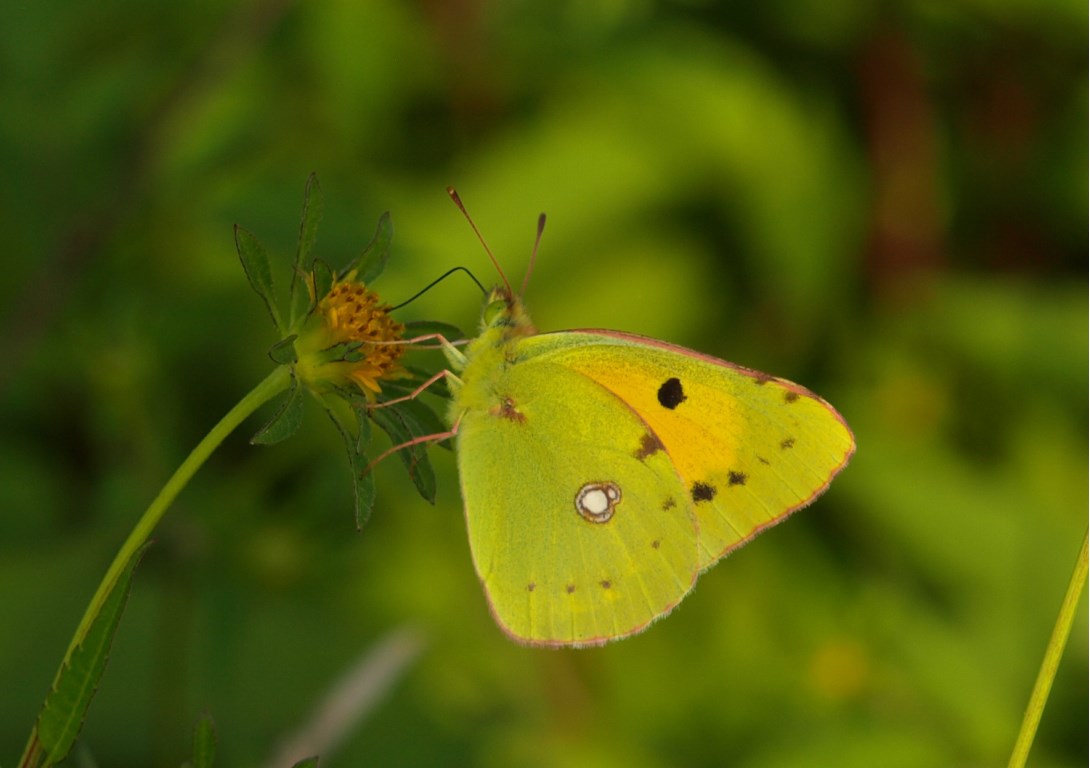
x=533, y=254
x=458, y=202
x=436, y=282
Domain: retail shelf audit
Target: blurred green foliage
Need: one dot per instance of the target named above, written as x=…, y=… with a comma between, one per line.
x=883, y=201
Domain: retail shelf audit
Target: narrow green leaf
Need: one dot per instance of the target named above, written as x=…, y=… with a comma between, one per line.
x=416, y=328
x=66, y=705
x=363, y=427
x=353, y=351
x=313, y=205
x=394, y=426
x=283, y=351
x=323, y=282
x=204, y=742
x=370, y=263
x=352, y=395
x=356, y=435
x=418, y=415
x=403, y=423
x=255, y=262
x=285, y=422
x=341, y=352
x=427, y=419
x=363, y=477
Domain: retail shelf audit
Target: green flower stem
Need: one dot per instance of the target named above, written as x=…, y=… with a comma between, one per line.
x=1051, y=661
x=275, y=383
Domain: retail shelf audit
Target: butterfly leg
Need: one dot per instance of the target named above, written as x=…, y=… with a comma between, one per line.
x=438, y=437
x=450, y=348
x=443, y=374
x=455, y=357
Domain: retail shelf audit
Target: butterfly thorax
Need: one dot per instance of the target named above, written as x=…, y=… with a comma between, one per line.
x=504, y=321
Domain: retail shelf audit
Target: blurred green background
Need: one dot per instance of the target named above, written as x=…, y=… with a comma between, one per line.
x=886, y=202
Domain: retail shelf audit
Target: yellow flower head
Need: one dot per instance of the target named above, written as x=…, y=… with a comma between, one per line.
x=344, y=347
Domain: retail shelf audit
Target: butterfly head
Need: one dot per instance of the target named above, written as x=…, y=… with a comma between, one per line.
x=505, y=313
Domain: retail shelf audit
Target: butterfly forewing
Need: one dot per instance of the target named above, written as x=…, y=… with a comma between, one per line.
x=749, y=448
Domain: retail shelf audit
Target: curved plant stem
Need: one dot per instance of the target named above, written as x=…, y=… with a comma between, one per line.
x=1051, y=661
x=273, y=384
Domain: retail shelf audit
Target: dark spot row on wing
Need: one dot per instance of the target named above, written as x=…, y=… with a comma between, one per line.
x=570, y=587
x=760, y=379
x=701, y=492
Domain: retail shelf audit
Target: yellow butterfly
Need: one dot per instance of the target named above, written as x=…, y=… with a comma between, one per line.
x=602, y=471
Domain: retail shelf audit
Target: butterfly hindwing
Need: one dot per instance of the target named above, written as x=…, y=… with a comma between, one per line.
x=578, y=521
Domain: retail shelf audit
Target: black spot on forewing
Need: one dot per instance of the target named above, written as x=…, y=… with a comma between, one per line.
x=570, y=588
x=670, y=503
x=763, y=460
x=531, y=587
x=655, y=544
x=790, y=397
x=671, y=394
x=702, y=492
x=736, y=478
x=649, y=446
x=606, y=583
x=788, y=443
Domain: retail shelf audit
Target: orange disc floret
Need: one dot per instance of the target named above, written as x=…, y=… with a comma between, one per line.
x=351, y=315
